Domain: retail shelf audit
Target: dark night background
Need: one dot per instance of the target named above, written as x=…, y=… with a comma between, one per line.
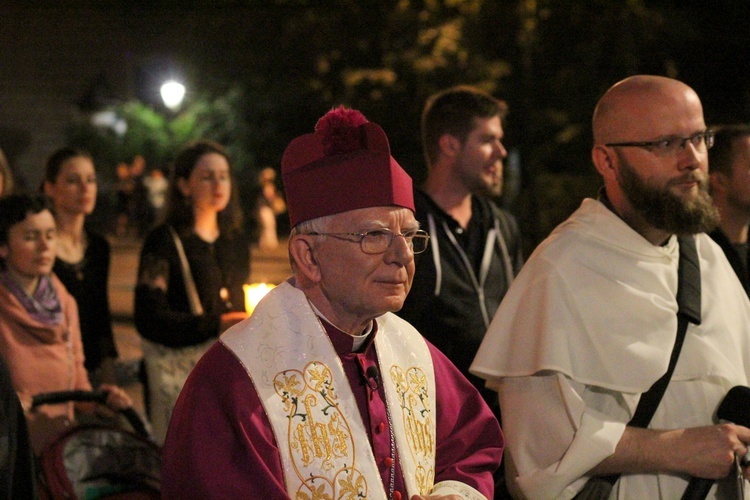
x=259, y=73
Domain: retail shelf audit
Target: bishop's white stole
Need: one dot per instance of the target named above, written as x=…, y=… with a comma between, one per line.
x=309, y=402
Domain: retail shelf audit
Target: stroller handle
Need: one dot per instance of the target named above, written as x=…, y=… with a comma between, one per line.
x=57, y=397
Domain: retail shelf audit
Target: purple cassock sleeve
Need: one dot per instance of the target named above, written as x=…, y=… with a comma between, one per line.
x=220, y=443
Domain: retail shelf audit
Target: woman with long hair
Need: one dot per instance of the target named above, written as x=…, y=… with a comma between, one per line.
x=83, y=255
x=192, y=268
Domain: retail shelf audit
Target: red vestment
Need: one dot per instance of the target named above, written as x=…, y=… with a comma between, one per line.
x=220, y=443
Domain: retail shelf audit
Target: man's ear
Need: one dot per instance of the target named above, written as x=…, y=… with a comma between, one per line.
x=3, y=251
x=301, y=251
x=449, y=145
x=604, y=161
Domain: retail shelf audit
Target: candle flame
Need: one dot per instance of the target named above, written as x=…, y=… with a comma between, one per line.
x=253, y=293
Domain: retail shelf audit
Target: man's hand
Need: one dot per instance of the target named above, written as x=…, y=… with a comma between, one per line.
x=706, y=452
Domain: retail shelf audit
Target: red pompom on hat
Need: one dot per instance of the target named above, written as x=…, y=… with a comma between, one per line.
x=345, y=165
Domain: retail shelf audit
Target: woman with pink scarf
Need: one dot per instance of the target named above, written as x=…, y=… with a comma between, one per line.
x=40, y=337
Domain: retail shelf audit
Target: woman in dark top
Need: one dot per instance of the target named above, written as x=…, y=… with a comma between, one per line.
x=83, y=256
x=181, y=308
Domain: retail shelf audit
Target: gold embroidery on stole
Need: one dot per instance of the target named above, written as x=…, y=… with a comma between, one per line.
x=414, y=397
x=319, y=436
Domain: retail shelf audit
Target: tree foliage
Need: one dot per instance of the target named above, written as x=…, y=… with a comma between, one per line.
x=549, y=59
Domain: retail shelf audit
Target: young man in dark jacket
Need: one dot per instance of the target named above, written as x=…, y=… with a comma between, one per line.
x=475, y=247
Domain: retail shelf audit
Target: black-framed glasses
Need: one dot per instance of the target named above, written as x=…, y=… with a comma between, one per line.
x=702, y=141
x=379, y=240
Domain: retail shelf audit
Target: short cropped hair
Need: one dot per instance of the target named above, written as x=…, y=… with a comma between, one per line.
x=14, y=208
x=453, y=111
x=721, y=155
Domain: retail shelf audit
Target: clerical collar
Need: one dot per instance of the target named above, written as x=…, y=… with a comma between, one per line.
x=342, y=341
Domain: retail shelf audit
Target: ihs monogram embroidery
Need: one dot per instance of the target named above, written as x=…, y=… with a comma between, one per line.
x=319, y=437
x=412, y=388
x=322, y=439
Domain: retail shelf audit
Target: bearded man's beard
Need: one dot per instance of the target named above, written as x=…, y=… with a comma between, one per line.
x=665, y=210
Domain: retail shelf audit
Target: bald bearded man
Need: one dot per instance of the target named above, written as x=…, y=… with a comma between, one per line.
x=590, y=323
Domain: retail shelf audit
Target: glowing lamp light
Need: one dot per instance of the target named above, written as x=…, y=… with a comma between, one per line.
x=253, y=293
x=172, y=93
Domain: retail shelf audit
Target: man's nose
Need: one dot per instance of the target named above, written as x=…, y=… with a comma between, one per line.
x=690, y=157
x=400, y=250
x=500, y=150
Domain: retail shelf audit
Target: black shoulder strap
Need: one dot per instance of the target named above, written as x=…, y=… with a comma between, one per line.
x=650, y=400
x=689, y=311
x=689, y=304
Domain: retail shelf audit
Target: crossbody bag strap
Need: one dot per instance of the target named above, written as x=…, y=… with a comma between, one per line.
x=192, y=292
x=689, y=311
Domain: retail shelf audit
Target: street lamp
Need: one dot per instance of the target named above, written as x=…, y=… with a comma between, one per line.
x=172, y=93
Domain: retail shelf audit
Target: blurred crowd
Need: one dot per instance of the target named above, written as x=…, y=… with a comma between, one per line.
x=459, y=366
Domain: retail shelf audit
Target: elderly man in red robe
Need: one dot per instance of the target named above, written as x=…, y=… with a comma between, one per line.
x=323, y=392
